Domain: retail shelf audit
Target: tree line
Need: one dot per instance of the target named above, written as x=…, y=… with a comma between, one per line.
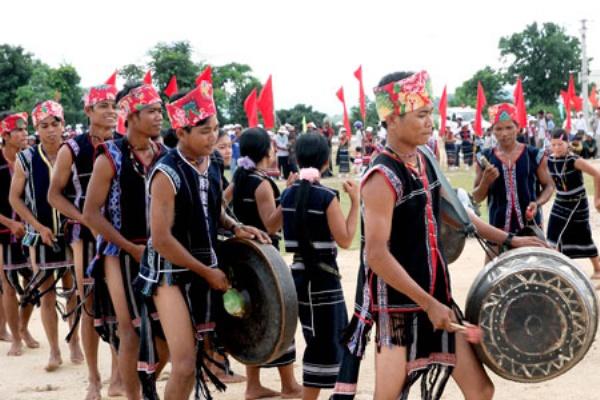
x=543, y=56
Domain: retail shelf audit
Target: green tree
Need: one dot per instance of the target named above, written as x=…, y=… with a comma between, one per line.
x=36, y=89
x=492, y=82
x=372, y=117
x=232, y=83
x=65, y=81
x=543, y=57
x=132, y=73
x=168, y=59
x=16, y=67
x=295, y=114
x=60, y=84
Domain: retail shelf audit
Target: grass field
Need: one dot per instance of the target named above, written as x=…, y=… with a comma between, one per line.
x=458, y=178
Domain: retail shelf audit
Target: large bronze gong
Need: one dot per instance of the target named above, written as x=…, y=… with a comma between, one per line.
x=452, y=238
x=263, y=327
x=538, y=312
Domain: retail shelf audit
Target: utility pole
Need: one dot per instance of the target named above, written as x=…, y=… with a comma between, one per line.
x=584, y=75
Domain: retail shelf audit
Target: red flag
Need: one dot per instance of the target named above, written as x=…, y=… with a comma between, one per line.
x=250, y=109
x=340, y=96
x=481, y=101
x=121, y=129
x=443, y=108
x=519, y=98
x=112, y=80
x=576, y=101
x=567, y=103
x=361, y=94
x=265, y=104
x=171, y=88
x=594, y=97
x=205, y=75
x=148, y=78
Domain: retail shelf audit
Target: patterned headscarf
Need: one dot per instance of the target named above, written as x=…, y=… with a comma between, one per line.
x=405, y=95
x=502, y=112
x=47, y=109
x=99, y=93
x=12, y=122
x=195, y=106
x=138, y=99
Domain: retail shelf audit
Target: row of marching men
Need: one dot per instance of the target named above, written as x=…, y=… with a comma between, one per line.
x=142, y=222
x=125, y=229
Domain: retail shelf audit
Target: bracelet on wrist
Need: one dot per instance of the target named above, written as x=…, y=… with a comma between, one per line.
x=508, y=241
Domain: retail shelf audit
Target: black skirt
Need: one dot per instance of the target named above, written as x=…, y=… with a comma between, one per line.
x=569, y=227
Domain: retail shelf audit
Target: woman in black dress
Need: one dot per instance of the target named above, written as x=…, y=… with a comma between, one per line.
x=569, y=224
x=256, y=203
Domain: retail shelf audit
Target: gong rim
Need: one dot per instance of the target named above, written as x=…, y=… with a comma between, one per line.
x=283, y=295
x=452, y=242
x=496, y=274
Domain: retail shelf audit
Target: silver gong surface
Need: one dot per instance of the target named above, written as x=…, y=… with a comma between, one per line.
x=538, y=312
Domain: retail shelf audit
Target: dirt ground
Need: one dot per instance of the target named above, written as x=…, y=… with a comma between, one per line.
x=23, y=378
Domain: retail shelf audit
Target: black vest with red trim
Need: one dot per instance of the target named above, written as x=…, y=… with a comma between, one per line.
x=82, y=152
x=127, y=205
x=413, y=240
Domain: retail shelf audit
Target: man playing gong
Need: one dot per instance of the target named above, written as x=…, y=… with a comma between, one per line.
x=179, y=269
x=404, y=284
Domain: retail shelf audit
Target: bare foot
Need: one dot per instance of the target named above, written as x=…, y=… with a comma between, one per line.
x=76, y=353
x=232, y=377
x=16, y=349
x=5, y=336
x=93, y=391
x=54, y=362
x=292, y=393
x=29, y=340
x=261, y=392
x=115, y=389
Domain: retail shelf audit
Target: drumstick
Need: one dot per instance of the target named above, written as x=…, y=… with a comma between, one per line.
x=473, y=333
x=484, y=161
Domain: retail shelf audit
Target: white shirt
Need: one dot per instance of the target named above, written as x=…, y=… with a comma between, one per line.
x=282, y=143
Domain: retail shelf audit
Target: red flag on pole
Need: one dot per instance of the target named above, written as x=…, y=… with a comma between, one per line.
x=340, y=96
x=481, y=101
x=250, y=109
x=171, y=88
x=593, y=97
x=205, y=75
x=112, y=80
x=443, y=108
x=519, y=98
x=361, y=94
x=567, y=103
x=148, y=78
x=265, y=104
x=576, y=101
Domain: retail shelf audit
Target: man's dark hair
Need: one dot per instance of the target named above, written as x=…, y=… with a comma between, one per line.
x=560, y=133
x=4, y=114
x=127, y=88
x=170, y=139
x=393, y=77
